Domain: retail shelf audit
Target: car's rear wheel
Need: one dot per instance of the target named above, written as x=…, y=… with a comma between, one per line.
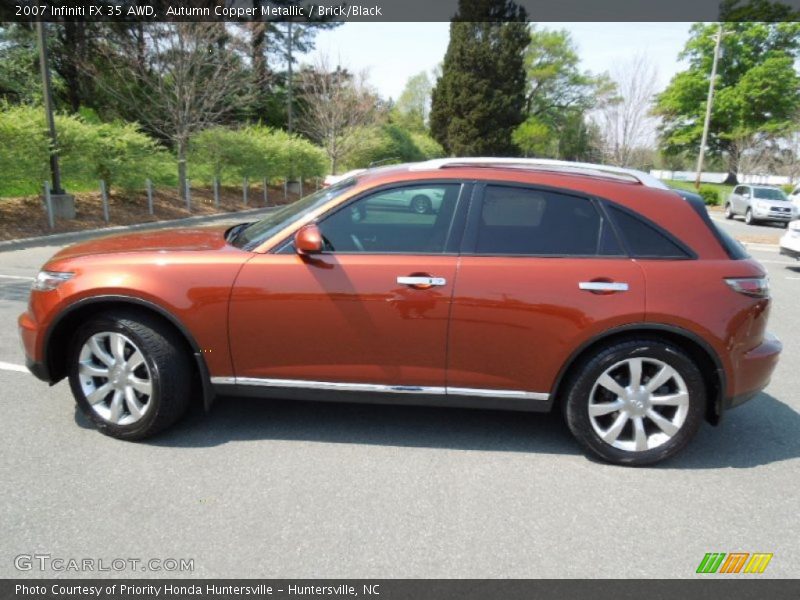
x=130, y=374
x=748, y=217
x=636, y=403
x=728, y=211
x=421, y=204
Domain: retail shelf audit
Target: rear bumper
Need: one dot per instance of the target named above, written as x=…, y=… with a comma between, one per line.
x=754, y=370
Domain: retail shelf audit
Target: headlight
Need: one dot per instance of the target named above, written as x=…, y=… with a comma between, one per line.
x=50, y=280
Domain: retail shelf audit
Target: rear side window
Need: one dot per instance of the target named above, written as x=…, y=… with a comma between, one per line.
x=530, y=222
x=642, y=239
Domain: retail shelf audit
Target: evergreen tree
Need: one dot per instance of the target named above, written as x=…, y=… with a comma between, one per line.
x=480, y=97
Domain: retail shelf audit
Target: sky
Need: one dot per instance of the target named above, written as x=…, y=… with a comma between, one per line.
x=392, y=52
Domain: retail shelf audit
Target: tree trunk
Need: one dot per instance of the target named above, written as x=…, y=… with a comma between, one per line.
x=733, y=166
x=182, y=168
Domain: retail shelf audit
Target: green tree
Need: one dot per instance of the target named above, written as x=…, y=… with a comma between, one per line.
x=554, y=81
x=558, y=95
x=413, y=106
x=757, y=89
x=480, y=97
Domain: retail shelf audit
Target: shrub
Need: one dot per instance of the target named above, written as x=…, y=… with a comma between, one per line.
x=24, y=150
x=116, y=152
x=710, y=195
x=390, y=143
x=255, y=152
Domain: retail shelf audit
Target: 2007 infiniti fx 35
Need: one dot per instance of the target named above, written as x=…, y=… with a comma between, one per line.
x=527, y=284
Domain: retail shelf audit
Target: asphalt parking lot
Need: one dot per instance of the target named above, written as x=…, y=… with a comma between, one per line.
x=282, y=489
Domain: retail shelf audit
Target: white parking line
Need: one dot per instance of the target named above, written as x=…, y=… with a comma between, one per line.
x=16, y=277
x=4, y=366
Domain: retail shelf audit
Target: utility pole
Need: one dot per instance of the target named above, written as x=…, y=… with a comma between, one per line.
x=289, y=78
x=709, y=103
x=55, y=171
x=61, y=204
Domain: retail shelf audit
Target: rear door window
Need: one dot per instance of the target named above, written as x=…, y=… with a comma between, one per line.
x=532, y=222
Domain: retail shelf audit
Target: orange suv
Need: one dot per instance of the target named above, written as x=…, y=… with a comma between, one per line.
x=522, y=285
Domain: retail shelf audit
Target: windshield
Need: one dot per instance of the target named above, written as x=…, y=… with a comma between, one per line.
x=261, y=230
x=769, y=194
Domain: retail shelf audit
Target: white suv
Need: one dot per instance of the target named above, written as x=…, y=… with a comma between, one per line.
x=760, y=203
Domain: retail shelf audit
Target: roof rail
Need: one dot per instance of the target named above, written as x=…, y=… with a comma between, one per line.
x=545, y=164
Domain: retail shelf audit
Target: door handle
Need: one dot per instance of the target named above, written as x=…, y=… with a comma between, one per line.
x=421, y=281
x=603, y=286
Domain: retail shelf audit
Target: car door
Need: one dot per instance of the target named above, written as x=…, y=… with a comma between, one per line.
x=541, y=272
x=369, y=313
x=736, y=200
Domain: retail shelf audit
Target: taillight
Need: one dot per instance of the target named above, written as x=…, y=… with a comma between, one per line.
x=757, y=287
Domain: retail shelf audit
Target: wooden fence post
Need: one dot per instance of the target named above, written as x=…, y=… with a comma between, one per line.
x=48, y=203
x=188, y=192
x=216, y=192
x=245, y=189
x=104, y=196
x=285, y=189
x=266, y=193
x=150, y=196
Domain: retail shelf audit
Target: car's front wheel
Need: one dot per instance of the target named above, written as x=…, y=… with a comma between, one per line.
x=637, y=402
x=728, y=211
x=130, y=374
x=748, y=217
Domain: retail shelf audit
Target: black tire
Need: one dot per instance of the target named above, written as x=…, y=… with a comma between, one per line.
x=166, y=358
x=582, y=383
x=728, y=211
x=421, y=204
x=748, y=217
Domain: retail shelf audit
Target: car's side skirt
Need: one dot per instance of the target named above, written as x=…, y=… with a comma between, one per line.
x=298, y=389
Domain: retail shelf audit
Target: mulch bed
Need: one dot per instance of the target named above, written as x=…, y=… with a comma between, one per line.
x=27, y=217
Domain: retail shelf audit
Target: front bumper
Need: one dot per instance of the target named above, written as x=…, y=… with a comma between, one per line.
x=790, y=252
x=790, y=242
x=775, y=218
x=29, y=332
x=754, y=371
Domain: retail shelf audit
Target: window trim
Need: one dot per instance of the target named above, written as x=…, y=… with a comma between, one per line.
x=453, y=237
x=468, y=246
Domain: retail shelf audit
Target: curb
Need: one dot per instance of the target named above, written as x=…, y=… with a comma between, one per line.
x=57, y=239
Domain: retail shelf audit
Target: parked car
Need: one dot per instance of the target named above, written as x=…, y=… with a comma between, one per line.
x=534, y=286
x=790, y=241
x=795, y=198
x=417, y=201
x=760, y=203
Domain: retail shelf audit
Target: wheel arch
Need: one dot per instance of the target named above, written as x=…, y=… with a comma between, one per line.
x=64, y=326
x=698, y=349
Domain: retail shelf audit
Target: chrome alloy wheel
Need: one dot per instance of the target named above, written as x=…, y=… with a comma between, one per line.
x=115, y=378
x=638, y=404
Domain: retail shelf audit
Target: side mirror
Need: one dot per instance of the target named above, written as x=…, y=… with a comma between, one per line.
x=308, y=240
x=746, y=195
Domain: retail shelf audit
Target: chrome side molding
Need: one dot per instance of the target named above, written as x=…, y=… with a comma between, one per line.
x=378, y=388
